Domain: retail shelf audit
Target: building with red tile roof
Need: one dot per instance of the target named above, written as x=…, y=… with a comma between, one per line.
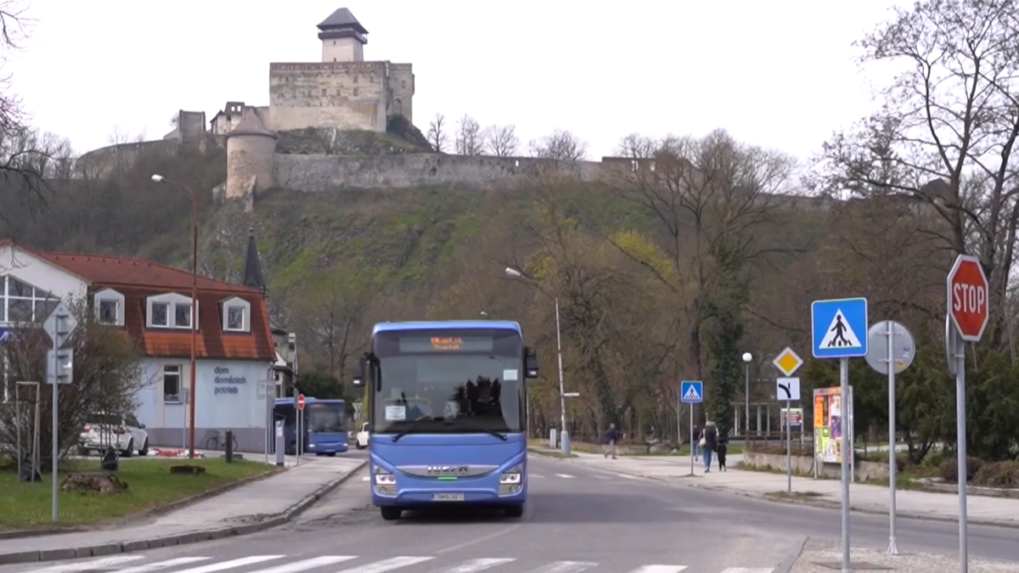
x=151, y=303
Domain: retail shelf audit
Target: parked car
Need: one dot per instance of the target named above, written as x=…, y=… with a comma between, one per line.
x=362, y=437
x=124, y=433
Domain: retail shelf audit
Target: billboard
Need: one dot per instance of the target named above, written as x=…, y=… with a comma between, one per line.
x=829, y=407
x=794, y=416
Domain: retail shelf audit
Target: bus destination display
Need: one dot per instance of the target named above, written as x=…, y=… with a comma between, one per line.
x=446, y=344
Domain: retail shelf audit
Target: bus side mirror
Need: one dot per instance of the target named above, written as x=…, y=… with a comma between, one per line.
x=530, y=363
x=359, y=375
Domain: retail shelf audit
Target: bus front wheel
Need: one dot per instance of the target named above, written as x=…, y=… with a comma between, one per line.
x=514, y=510
x=391, y=513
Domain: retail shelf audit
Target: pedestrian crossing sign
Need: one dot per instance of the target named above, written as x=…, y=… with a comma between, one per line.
x=691, y=392
x=839, y=328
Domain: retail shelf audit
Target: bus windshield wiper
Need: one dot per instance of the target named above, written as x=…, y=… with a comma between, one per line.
x=499, y=435
x=406, y=431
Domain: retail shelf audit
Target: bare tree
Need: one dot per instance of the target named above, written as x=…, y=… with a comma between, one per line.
x=118, y=136
x=560, y=145
x=501, y=141
x=469, y=138
x=437, y=133
x=175, y=120
x=946, y=135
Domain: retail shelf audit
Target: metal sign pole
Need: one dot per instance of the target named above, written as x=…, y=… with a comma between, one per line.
x=847, y=452
x=960, y=414
x=788, y=446
x=892, y=455
x=55, y=435
x=692, y=438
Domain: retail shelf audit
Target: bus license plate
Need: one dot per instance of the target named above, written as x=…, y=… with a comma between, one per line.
x=448, y=497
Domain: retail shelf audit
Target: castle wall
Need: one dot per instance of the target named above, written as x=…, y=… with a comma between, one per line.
x=249, y=164
x=401, y=85
x=316, y=173
x=105, y=162
x=345, y=95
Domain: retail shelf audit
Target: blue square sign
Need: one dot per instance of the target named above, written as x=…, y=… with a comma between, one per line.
x=839, y=328
x=691, y=392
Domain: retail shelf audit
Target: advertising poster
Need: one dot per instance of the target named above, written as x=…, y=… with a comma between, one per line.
x=828, y=412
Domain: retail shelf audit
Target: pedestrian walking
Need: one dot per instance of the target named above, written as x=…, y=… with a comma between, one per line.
x=610, y=441
x=723, y=448
x=695, y=442
x=709, y=442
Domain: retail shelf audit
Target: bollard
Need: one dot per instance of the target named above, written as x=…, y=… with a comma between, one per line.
x=551, y=439
x=280, y=446
x=229, y=446
x=565, y=439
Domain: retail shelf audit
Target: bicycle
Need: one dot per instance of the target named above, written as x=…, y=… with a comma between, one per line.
x=217, y=442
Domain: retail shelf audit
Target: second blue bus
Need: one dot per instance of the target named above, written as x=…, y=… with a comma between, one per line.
x=324, y=425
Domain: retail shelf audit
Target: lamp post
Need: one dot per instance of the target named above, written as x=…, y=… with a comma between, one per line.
x=747, y=357
x=564, y=442
x=194, y=305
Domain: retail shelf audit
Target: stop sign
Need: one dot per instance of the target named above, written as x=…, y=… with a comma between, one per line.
x=968, y=297
x=300, y=401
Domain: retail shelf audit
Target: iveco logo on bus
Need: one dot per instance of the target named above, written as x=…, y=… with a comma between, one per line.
x=448, y=470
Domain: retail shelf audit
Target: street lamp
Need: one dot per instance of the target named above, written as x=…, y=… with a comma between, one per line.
x=194, y=305
x=564, y=443
x=747, y=357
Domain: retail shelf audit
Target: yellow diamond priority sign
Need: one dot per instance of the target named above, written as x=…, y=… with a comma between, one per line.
x=787, y=362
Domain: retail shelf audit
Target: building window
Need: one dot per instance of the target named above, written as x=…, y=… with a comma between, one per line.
x=160, y=315
x=21, y=302
x=170, y=311
x=109, y=310
x=236, y=315
x=172, y=384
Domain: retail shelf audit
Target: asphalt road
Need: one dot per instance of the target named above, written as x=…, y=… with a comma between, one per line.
x=578, y=519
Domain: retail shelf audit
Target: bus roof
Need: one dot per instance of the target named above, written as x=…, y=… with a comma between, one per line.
x=442, y=324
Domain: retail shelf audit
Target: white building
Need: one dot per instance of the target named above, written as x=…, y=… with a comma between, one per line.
x=152, y=304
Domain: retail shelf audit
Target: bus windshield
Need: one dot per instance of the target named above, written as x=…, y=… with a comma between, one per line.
x=449, y=382
x=326, y=418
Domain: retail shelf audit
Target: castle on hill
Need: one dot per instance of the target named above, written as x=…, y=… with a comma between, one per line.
x=342, y=123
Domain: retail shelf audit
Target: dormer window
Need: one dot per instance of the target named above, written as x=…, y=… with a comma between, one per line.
x=109, y=307
x=169, y=311
x=236, y=315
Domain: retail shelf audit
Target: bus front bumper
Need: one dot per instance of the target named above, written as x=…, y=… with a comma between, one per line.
x=408, y=491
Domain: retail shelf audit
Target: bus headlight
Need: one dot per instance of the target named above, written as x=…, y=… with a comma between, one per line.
x=511, y=475
x=385, y=482
x=510, y=481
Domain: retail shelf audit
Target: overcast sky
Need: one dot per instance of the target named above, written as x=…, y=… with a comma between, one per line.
x=778, y=73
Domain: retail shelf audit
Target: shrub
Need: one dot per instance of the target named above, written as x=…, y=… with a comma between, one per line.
x=950, y=469
x=778, y=449
x=998, y=474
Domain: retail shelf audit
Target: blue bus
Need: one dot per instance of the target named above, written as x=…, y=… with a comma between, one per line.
x=324, y=423
x=447, y=414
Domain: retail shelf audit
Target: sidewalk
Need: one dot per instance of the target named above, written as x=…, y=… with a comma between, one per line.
x=821, y=492
x=277, y=499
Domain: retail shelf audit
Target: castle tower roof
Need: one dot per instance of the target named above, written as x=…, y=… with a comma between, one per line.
x=250, y=124
x=340, y=20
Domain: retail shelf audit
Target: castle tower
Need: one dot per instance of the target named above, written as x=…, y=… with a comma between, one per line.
x=342, y=37
x=250, y=149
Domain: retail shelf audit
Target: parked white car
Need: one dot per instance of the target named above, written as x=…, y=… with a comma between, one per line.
x=362, y=437
x=125, y=433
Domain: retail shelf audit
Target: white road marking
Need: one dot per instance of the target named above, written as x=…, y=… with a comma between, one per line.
x=103, y=563
x=148, y=568
x=539, y=476
x=564, y=567
x=475, y=565
x=304, y=565
x=567, y=476
x=366, y=478
x=601, y=477
x=660, y=569
x=627, y=476
x=388, y=565
x=749, y=570
x=243, y=561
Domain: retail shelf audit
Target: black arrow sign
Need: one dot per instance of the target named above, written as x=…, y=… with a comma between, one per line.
x=788, y=393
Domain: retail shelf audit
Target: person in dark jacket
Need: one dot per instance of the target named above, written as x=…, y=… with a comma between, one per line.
x=723, y=447
x=710, y=441
x=695, y=439
x=610, y=441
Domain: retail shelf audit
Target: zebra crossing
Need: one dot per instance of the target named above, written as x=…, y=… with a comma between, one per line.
x=358, y=564
x=562, y=476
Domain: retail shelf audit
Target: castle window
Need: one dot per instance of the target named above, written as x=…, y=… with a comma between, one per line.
x=355, y=92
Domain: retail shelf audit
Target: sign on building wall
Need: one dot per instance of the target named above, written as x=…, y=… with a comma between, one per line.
x=225, y=382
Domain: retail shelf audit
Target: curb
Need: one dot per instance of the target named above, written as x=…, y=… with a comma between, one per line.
x=186, y=538
x=790, y=561
x=825, y=504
